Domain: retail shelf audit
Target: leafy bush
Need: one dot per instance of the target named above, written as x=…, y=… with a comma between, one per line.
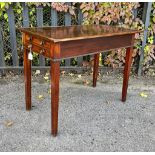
x=149, y=50
x=118, y=13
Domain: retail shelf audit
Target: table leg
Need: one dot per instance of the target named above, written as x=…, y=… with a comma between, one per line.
x=128, y=61
x=27, y=78
x=95, y=69
x=55, y=75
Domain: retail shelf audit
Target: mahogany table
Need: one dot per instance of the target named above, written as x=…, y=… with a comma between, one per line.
x=59, y=43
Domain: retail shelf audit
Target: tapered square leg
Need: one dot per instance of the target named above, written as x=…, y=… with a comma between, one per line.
x=128, y=61
x=27, y=78
x=95, y=69
x=55, y=75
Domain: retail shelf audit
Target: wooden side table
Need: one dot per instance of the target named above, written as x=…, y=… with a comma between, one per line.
x=59, y=43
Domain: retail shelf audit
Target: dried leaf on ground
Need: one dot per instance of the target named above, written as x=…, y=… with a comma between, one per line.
x=86, y=82
x=142, y=94
x=37, y=72
x=46, y=77
x=8, y=123
x=79, y=76
x=108, y=102
x=40, y=97
x=71, y=74
x=47, y=74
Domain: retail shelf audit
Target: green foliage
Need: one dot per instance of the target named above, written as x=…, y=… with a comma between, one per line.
x=119, y=14
x=149, y=50
x=3, y=7
x=109, y=13
x=5, y=16
x=150, y=39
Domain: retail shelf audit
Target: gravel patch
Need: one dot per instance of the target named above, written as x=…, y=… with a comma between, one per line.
x=90, y=119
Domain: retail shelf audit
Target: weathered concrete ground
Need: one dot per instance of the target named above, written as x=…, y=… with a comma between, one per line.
x=90, y=119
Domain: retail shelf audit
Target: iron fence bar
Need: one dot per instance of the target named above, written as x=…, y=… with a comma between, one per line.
x=40, y=24
x=25, y=15
x=11, y=21
x=2, y=61
x=146, y=20
x=80, y=19
x=67, y=23
x=54, y=17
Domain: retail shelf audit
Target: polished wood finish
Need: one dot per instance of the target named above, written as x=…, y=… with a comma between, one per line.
x=55, y=76
x=76, y=32
x=94, y=45
x=38, y=49
x=55, y=73
x=27, y=78
x=89, y=39
x=37, y=41
x=95, y=69
x=58, y=43
x=128, y=61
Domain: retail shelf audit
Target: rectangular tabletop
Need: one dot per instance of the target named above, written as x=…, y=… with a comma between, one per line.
x=71, y=41
x=76, y=32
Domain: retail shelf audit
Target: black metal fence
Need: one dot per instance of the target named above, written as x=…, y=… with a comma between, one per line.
x=11, y=55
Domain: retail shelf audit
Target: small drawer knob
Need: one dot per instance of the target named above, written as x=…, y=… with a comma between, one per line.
x=30, y=38
x=42, y=43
